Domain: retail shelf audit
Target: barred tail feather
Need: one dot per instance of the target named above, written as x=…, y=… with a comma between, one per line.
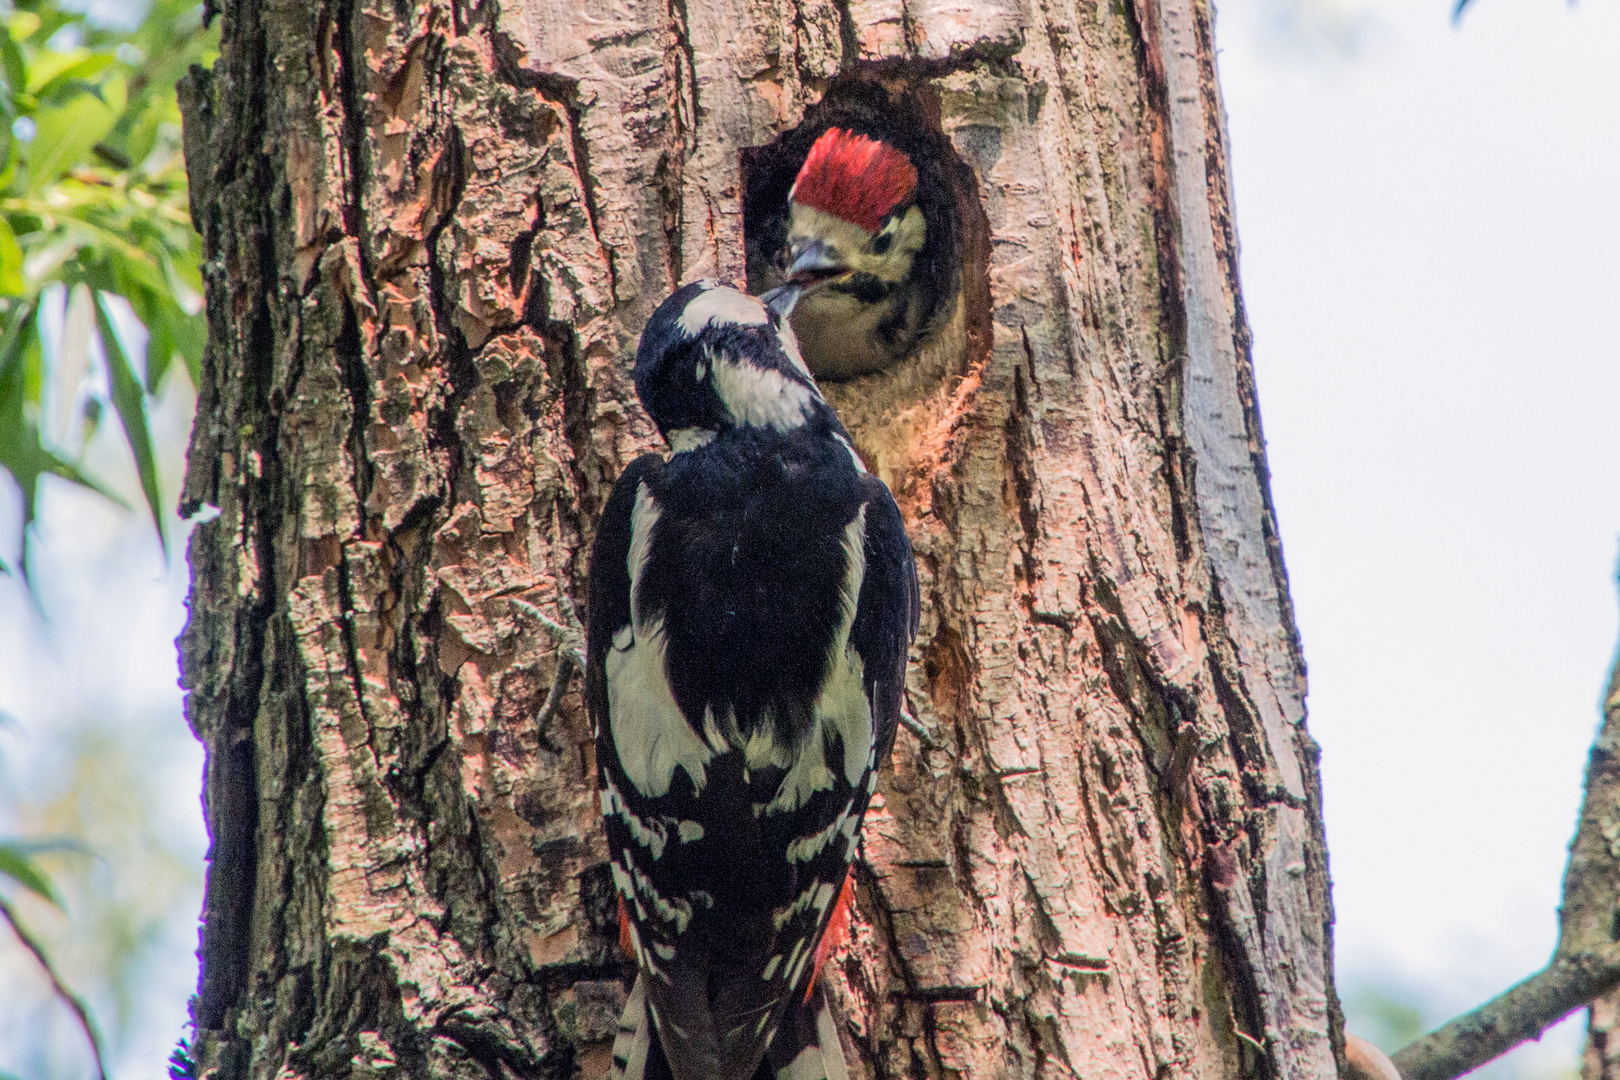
x=632, y=1044
x=806, y=1046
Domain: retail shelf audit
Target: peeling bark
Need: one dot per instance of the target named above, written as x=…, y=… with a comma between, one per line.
x=433, y=230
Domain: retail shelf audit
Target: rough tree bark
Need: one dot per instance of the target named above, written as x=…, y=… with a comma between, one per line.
x=433, y=229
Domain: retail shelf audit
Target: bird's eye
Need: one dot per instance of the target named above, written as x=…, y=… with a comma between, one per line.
x=882, y=242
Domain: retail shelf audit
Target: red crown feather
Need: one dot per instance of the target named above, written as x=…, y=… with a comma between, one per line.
x=855, y=178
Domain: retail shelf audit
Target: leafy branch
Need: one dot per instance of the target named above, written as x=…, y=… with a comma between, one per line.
x=15, y=863
x=93, y=204
x=94, y=223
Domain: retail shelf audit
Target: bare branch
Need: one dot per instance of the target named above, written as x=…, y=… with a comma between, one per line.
x=1586, y=963
x=57, y=985
x=1520, y=1014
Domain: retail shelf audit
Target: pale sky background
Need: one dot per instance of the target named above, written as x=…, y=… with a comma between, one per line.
x=1430, y=219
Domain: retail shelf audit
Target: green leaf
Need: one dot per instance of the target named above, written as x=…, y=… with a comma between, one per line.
x=130, y=400
x=64, y=135
x=80, y=74
x=96, y=196
x=48, y=64
x=11, y=260
x=12, y=63
x=16, y=865
x=22, y=25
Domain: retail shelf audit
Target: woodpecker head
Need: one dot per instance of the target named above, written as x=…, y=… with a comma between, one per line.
x=854, y=223
x=712, y=359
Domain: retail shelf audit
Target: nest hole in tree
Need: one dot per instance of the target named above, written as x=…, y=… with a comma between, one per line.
x=901, y=416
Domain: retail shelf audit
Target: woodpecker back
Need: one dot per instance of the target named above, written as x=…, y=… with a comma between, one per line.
x=752, y=601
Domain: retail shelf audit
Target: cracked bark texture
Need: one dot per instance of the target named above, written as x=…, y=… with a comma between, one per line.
x=433, y=230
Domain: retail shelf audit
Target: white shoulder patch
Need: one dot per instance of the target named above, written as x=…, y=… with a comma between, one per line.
x=760, y=397
x=842, y=702
x=721, y=306
x=841, y=706
x=650, y=735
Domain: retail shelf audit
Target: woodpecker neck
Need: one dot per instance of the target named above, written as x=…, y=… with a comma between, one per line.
x=712, y=360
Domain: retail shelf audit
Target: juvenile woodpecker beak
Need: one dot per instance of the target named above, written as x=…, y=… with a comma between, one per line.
x=815, y=263
x=783, y=298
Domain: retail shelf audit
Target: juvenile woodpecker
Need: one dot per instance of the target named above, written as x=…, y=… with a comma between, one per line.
x=752, y=600
x=867, y=283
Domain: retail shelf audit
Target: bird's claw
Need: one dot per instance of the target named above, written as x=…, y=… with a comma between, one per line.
x=570, y=649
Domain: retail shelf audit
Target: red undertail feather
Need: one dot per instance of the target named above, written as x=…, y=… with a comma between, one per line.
x=624, y=930
x=837, y=931
x=855, y=178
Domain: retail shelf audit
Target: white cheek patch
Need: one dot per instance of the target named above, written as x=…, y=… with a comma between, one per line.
x=721, y=306
x=760, y=397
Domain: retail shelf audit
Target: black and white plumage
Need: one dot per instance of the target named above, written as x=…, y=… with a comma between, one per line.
x=752, y=601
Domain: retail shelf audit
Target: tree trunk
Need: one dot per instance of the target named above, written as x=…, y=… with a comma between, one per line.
x=433, y=230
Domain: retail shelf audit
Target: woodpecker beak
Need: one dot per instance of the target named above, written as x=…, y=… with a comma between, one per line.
x=783, y=298
x=815, y=263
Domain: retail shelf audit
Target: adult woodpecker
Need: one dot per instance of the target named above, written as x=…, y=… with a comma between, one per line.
x=752, y=600
x=871, y=272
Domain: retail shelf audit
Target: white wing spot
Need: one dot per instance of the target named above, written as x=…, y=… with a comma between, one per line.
x=808, y=847
x=689, y=438
x=676, y=912
x=824, y=896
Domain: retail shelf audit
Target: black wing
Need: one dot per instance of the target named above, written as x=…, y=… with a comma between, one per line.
x=886, y=614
